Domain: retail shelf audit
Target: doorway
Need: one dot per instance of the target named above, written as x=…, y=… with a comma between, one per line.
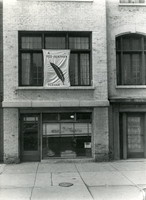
x=29, y=134
x=132, y=135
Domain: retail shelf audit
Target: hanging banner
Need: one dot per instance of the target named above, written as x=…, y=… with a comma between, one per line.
x=56, y=67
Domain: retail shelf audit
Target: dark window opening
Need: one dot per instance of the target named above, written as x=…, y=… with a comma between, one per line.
x=131, y=59
x=31, y=58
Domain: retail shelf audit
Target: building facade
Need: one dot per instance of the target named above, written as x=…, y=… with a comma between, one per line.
x=101, y=114
x=126, y=44
x=42, y=123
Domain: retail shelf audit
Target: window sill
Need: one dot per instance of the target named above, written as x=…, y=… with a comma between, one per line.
x=132, y=4
x=131, y=87
x=57, y=88
x=61, y=0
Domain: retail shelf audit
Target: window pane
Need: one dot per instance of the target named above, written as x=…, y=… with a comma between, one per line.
x=67, y=116
x=118, y=44
x=127, y=69
x=136, y=43
x=25, y=71
x=136, y=68
x=79, y=43
x=132, y=69
x=37, y=72
x=126, y=44
x=31, y=42
x=55, y=42
x=73, y=70
x=118, y=63
x=67, y=129
x=51, y=128
x=50, y=117
x=83, y=116
x=84, y=69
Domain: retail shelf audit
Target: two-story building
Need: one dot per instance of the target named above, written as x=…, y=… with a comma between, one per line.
x=74, y=80
x=126, y=47
x=60, y=119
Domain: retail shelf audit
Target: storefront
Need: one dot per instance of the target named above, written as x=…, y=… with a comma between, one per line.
x=49, y=135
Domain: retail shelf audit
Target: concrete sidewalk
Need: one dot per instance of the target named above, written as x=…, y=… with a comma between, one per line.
x=122, y=180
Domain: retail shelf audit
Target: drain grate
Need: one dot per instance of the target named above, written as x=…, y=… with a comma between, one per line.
x=65, y=184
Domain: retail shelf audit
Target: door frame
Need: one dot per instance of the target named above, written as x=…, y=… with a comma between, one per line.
x=124, y=132
x=29, y=153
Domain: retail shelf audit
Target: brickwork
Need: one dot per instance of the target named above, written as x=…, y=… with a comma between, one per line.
x=35, y=15
x=101, y=137
x=11, y=148
x=121, y=20
x=1, y=80
x=55, y=16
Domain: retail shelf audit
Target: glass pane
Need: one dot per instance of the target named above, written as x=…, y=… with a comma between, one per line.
x=25, y=69
x=84, y=69
x=81, y=128
x=73, y=70
x=67, y=116
x=127, y=69
x=135, y=137
x=126, y=44
x=78, y=42
x=37, y=71
x=67, y=129
x=83, y=116
x=118, y=43
x=55, y=42
x=50, y=117
x=51, y=146
x=30, y=119
x=136, y=43
x=136, y=68
x=30, y=137
x=51, y=129
x=31, y=42
x=118, y=64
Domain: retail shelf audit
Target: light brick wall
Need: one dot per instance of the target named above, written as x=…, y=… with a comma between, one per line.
x=11, y=136
x=100, y=139
x=120, y=20
x=54, y=16
x=1, y=80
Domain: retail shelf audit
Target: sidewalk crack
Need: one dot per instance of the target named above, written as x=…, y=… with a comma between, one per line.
x=34, y=182
x=84, y=182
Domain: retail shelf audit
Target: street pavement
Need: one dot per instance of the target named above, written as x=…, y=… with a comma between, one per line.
x=117, y=180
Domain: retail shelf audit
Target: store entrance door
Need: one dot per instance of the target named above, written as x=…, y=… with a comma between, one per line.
x=30, y=149
x=133, y=135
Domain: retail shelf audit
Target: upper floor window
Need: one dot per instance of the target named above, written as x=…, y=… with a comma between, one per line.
x=131, y=59
x=31, y=56
x=132, y=1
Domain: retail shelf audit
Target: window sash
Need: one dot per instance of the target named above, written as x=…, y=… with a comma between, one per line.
x=130, y=60
x=79, y=70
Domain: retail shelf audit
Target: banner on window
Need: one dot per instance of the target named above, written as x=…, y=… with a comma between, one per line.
x=56, y=67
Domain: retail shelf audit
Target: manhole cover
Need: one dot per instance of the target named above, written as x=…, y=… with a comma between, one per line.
x=64, y=184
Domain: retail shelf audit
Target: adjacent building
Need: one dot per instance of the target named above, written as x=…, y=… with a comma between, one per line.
x=93, y=108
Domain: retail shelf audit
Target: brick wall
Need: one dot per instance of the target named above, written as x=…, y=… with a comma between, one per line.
x=1, y=81
x=120, y=20
x=50, y=16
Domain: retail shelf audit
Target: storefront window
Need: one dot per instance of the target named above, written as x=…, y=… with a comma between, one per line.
x=68, y=135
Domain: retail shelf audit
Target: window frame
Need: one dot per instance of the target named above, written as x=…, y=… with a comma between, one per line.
x=121, y=79
x=44, y=34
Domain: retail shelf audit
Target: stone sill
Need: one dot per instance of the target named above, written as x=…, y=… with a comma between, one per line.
x=56, y=88
x=45, y=104
x=61, y=0
x=131, y=87
x=132, y=4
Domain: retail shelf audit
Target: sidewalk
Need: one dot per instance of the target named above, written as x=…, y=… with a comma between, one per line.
x=120, y=180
